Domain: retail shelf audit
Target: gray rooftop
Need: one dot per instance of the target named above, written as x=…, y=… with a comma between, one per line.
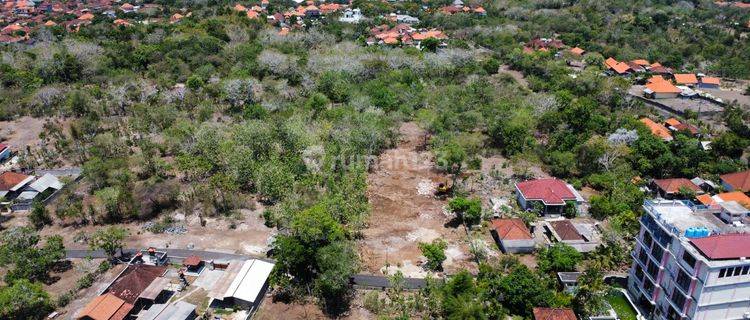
x=681, y=215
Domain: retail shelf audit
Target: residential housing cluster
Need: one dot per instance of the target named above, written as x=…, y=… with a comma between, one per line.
x=154, y=286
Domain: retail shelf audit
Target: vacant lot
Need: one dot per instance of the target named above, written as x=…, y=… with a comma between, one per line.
x=405, y=212
x=22, y=132
x=245, y=235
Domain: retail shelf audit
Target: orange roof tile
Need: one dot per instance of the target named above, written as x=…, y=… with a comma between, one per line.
x=511, y=229
x=610, y=62
x=621, y=67
x=106, y=307
x=737, y=196
x=577, y=51
x=672, y=122
x=86, y=16
x=641, y=62
x=656, y=78
x=711, y=80
x=252, y=14
x=662, y=87
x=240, y=7
x=657, y=129
x=656, y=64
x=706, y=199
x=685, y=78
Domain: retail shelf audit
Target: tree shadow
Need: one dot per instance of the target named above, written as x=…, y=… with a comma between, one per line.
x=453, y=223
x=61, y=266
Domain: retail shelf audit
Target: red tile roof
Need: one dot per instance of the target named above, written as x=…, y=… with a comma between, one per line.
x=674, y=185
x=554, y=314
x=3, y=146
x=724, y=246
x=106, y=307
x=657, y=129
x=711, y=80
x=192, y=261
x=566, y=230
x=685, y=78
x=740, y=181
x=134, y=280
x=10, y=179
x=577, y=51
x=662, y=86
x=511, y=229
x=550, y=191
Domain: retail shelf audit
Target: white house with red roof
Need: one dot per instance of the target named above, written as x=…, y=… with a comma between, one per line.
x=553, y=194
x=689, y=264
x=513, y=236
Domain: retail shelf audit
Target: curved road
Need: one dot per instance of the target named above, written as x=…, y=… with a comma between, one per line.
x=363, y=281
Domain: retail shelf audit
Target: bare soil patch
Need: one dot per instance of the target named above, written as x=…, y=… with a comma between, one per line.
x=245, y=235
x=405, y=212
x=21, y=132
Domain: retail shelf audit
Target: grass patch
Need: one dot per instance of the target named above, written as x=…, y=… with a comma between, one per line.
x=622, y=307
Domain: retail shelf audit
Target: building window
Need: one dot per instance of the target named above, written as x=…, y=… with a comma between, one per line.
x=734, y=271
x=647, y=240
x=678, y=298
x=683, y=280
x=648, y=286
x=688, y=258
x=643, y=256
x=653, y=270
x=657, y=252
x=639, y=272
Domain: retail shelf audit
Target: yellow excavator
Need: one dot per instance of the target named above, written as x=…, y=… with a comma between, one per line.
x=443, y=189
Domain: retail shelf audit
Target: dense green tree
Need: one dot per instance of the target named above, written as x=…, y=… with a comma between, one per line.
x=559, y=257
x=109, y=239
x=24, y=300
x=25, y=258
x=435, y=254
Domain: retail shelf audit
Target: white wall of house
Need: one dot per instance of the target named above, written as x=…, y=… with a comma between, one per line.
x=518, y=246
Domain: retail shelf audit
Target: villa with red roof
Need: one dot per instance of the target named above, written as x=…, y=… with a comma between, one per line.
x=552, y=194
x=512, y=235
x=670, y=188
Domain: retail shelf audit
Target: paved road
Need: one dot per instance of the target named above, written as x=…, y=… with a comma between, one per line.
x=359, y=280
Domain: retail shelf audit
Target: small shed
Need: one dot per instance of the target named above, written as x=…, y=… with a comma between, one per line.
x=193, y=264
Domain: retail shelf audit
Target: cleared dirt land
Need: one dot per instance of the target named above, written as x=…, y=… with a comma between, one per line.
x=405, y=212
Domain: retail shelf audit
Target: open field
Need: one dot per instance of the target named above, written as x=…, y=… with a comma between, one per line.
x=405, y=212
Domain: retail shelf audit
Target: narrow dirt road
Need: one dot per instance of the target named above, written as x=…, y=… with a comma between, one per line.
x=405, y=212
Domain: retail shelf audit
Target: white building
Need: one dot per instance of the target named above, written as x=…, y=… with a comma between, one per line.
x=352, y=16
x=688, y=264
x=243, y=284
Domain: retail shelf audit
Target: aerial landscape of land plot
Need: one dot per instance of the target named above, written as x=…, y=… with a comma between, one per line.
x=374, y=159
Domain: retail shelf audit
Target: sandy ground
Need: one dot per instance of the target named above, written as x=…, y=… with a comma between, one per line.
x=21, y=132
x=270, y=310
x=517, y=75
x=401, y=217
x=250, y=235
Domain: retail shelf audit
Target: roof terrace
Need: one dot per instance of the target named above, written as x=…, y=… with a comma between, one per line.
x=679, y=215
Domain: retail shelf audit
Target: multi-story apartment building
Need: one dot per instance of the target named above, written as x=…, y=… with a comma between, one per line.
x=689, y=264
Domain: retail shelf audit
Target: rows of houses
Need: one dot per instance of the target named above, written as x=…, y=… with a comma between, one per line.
x=403, y=34
x=666, y=130
x=150, y=288
x=458, y=6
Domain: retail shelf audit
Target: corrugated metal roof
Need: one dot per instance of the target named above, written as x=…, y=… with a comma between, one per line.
x=250, y=280
x=179, y=310
x=45, y=182
x=153, y=289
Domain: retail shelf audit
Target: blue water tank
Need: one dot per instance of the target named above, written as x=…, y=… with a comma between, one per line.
x=690, y=232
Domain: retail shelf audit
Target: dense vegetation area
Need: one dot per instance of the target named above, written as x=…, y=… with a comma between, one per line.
x=206, y=114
